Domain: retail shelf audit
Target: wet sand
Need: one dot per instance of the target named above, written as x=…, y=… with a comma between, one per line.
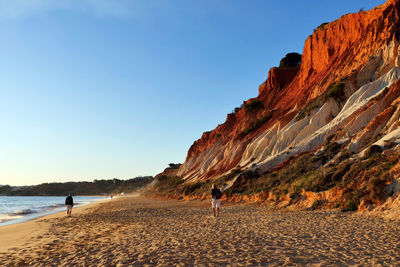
x=140, y=231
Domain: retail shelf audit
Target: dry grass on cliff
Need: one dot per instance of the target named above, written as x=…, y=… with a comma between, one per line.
x=368, y=180
x=362, y=180
x=301, y=173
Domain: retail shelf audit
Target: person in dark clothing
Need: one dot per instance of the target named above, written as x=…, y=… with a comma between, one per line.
x=215, y=199
x=69, y=201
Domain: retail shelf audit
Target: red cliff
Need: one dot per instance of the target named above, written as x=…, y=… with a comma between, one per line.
x=355, y=49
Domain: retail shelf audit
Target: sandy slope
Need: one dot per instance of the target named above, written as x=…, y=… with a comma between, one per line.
x=139, y=231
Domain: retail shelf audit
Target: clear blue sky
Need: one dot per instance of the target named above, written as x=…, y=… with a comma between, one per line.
x=97, y=89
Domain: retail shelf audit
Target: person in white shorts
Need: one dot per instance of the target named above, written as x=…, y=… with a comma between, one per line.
x=215, y=200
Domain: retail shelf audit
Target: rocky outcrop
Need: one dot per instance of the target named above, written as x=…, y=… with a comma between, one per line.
x=278, y=78
x=299, y=108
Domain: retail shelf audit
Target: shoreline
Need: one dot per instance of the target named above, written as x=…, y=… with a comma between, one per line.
x=46, y=210
x=17, y=233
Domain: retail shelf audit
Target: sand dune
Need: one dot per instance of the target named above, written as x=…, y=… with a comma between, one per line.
x=139, y=231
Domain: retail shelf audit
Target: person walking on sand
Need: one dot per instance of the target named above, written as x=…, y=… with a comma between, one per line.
x=215, y=200
x=69, y=201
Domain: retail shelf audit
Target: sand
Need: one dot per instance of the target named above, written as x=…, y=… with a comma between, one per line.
x=136, y=231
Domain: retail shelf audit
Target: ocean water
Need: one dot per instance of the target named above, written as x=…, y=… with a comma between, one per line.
x=15, y=209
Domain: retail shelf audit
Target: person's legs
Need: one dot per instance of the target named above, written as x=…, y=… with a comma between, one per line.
x=213, y=206
x=69, y=210
x=217, y=206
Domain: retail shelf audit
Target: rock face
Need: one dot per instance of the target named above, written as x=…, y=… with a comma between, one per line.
x=346, y=87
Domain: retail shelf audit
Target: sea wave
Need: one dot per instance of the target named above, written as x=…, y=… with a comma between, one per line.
x=8, y=217
x=52, y=206
x=22, y=212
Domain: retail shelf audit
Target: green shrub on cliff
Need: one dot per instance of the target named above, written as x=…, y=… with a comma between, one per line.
x=290, y=60
x=255, y=125
x=307, y=110
x=321, y=26
x=253, y=106
x=336, y=91
x=237, y=108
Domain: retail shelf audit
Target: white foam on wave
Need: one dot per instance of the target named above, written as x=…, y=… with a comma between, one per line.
x=8, y=217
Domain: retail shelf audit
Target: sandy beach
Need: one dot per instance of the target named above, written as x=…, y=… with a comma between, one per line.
x=141, y=231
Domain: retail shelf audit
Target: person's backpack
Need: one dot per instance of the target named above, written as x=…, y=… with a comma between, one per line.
x=218, y=194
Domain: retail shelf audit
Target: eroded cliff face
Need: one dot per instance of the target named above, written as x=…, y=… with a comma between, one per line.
x=297, y=109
